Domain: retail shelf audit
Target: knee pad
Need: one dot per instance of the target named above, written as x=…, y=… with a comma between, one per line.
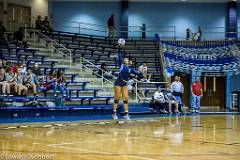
x=116, y=101
x=125, y=102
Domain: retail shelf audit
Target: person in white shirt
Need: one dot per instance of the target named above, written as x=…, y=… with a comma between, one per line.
x=144, y=70
x=159, y=102
x=177, y=89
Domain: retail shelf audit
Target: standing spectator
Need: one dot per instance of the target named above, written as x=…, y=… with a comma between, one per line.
x=197, y=93
x=111, y=26
x=2, y=39
x=188, y=33
x=177, y=89
x=144, y=70
x=170, y=99
x=2, y=31
x=200, y=32
x=39, y=23
x=18, y=36
x=143, y=29
x=46, y=25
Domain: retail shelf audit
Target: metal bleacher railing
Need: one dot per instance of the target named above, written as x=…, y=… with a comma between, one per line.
x=84, y=63
x=165, y=32
x=102, y=30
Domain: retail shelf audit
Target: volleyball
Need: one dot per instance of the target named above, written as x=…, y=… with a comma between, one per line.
x=169, y=71
x=121, y=42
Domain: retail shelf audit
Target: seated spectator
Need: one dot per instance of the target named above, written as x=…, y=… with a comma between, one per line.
x=39, y=23
x=14, y=68
x=50, y=82
x=23, y=68
x=3, y=64
x=103, y=71
x=30, y=81
x=20, y=88
x=10, y=79
x=39, y=75
x=144, y=70
x=170, y=100
x=158, y=101
x=46, y=25
x=3, y=82
x=61, y=81
x=19, y=35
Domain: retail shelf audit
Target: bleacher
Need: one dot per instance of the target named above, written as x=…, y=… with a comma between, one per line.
x=102, y=50
x=79, y=93
x=216, y=56
x=96, y=50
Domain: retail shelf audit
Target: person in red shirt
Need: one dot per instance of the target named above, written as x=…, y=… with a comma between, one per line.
x=197, y=92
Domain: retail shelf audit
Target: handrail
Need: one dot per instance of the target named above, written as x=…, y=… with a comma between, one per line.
x=97, y=67
x=98, y=75
x=53, y=41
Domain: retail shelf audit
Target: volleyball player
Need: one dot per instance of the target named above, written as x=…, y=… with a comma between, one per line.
x=121, y=89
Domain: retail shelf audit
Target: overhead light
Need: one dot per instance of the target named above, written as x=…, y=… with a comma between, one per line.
x=184, y=0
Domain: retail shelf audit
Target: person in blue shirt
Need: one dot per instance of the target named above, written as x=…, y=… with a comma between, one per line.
x=120, y=87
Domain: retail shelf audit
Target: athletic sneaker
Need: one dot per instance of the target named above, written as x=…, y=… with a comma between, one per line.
x=197, y=111
x=114, y=116
x=193, y=111
x=176, y=111
x=127, y=117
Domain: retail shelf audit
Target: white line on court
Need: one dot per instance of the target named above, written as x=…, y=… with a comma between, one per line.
x=100, y=152
x=59, y=144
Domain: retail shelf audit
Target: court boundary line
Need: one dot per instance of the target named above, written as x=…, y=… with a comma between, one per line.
x=102, y=152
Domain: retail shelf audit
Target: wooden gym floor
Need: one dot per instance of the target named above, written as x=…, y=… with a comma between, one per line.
x=200, y=137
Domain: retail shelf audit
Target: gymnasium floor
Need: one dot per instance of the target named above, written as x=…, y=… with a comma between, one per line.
x=201, y=137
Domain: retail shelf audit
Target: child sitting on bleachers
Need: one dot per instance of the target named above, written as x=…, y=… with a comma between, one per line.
x=3, y=82
x=61, y=81
x=30, y=81
x=20, y=88
x=50, y=82
x=39, y=75
x=10, y=77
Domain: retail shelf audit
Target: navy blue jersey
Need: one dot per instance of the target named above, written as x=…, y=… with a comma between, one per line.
x=124, y=75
